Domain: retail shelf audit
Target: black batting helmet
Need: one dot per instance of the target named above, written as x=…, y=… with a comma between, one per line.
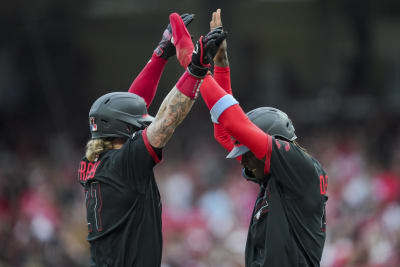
x=272, y=121
x=118, y=114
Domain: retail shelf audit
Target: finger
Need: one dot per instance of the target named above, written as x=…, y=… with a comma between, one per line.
x=218, y=17
x=188, y=19
x=211, y=36
x=212, y=22
x=210, y=43
x=216, y=39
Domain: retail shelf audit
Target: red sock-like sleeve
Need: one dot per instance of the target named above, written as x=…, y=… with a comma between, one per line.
x=211, y=91
x=222, y=77
x=145, y=84
x=222, y=136
x=235, y=121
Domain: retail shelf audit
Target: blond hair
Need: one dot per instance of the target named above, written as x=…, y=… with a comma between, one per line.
x=95, y=147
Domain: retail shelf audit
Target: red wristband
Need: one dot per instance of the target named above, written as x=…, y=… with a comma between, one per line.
x=189, y=85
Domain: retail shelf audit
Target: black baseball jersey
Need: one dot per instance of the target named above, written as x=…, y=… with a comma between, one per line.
x=288, y=222
x=123, y=205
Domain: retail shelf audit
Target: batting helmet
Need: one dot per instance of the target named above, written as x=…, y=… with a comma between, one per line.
x=272, y=121
x=118, y=114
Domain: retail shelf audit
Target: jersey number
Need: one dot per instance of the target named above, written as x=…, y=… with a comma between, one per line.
x=323, y=184
x=94, y=205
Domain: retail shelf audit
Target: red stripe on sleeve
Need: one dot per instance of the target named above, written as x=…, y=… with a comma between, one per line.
x=149, y=147
x=145, y=84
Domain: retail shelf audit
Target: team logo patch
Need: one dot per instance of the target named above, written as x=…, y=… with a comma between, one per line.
x=93, y=125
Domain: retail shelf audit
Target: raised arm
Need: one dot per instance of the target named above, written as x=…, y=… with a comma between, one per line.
x=221, y=58
x=146, y=83
x=226, y=111
x=179, y=101
x=222, y=77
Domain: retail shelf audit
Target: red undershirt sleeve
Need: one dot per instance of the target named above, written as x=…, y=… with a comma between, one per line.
x=145, y=84
x=222, y=77
x=235, y=121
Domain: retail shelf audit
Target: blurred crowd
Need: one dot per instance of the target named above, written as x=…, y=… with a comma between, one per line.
x=206, y=203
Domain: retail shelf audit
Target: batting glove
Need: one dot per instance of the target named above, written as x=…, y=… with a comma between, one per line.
x=166, y=48
x=205, y=50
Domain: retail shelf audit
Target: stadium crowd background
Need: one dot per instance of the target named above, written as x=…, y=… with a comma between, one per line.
x=333, y=66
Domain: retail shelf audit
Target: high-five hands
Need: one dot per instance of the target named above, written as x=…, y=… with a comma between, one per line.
x=166, y=48
x=205, y=49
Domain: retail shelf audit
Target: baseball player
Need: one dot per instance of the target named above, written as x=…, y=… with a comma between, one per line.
x=122, y=198
x=288, y=222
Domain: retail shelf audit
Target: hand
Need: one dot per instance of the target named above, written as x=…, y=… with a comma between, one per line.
x=166, y=48
x=205, y=50
x=221, y=58
x=182, y=40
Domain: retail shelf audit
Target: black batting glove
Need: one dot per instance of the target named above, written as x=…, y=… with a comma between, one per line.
x=166, y=48
x=205, y=50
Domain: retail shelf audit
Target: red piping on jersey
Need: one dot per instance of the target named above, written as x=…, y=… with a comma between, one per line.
x=267, y=166
x=149, y=147
x=99, y=210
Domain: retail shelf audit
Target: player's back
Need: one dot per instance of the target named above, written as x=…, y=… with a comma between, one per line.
x=123, y=207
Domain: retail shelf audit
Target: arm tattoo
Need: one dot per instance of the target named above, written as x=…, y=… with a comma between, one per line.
x=172, y=111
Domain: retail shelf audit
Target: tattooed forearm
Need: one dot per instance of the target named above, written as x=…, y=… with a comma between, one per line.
x=173, y=110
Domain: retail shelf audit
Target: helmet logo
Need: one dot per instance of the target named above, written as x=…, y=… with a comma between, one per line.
x=93, y=125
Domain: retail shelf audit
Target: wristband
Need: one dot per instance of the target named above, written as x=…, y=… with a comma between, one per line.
x=189, y=85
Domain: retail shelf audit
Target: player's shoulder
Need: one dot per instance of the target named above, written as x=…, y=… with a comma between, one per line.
x=318, y=166
x=290, y=149
x=132, y=152
x=294, y=154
